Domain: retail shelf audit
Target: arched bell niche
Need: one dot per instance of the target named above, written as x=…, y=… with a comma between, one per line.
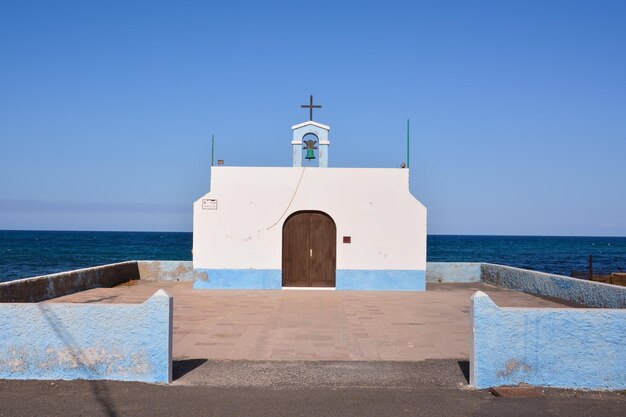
x=315, y=131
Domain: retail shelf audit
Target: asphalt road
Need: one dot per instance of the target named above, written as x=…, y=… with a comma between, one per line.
x=431, y=388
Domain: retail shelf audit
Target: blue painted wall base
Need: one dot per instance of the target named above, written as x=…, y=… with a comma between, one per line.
x=346, y=279
x=240, y=279
x=381, y=280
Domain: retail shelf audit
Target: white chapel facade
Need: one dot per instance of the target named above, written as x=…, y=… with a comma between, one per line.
x=310, y=226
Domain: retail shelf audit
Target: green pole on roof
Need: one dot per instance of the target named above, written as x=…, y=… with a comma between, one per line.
x=212, y=149
x=408, y=144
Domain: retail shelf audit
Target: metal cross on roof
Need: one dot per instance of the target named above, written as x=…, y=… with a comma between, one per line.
x=310, y=106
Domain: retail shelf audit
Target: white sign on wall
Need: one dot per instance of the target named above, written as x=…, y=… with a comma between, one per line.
x=209, y=204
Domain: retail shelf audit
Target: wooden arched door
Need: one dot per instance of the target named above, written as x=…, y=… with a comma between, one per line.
x=309, y=250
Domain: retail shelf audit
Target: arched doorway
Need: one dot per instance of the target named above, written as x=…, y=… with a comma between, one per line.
x=309, y=250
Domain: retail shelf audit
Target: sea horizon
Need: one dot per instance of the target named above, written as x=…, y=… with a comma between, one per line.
x=27, y=253
x=191, y=232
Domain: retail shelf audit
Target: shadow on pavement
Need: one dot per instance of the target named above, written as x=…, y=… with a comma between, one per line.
x=182, y=367
x=464, y=365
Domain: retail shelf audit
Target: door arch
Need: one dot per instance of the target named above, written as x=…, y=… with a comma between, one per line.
x=309, y=250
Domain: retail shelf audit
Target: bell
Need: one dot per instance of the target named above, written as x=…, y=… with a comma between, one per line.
x=310, y=154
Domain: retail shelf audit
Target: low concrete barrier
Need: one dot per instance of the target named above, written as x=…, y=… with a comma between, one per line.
x=126, y=342
x=45, y=287
x=453, y=272
x=588, y=293
x=566, y=348
x=169, y=271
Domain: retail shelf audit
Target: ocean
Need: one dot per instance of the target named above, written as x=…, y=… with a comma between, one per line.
x=30, y=253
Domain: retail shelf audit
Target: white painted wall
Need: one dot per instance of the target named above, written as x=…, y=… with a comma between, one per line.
x=374, y=206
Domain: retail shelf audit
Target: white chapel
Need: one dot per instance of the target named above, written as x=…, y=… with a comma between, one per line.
x=310, y=225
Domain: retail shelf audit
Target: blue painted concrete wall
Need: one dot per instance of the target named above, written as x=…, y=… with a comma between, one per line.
x=381, y=280
x=126, y=342
x=271, y=279
x=567, y=348
x=240, y=279
x=588, y=293
x=453, y=271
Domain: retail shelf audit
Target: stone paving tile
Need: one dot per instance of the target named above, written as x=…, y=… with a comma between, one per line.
x=316, y=325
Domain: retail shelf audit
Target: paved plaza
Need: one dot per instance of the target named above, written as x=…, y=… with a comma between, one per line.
x=316, y=325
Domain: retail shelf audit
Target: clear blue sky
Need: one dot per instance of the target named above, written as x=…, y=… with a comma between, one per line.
x=518, y=109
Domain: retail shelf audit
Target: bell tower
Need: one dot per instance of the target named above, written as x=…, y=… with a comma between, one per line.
x=319, y=131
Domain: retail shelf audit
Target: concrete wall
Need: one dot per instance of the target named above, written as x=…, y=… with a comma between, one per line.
x=127, y=342
x=169, y=271
x=453, y=271
x=45, y=287
x=567, y=348
x=588, y=293
x=243, y=235
x=31, y=290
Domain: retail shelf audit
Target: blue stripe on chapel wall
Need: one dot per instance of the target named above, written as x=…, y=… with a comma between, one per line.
x=241, y=279
x=381, y=280
x=347, y=279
